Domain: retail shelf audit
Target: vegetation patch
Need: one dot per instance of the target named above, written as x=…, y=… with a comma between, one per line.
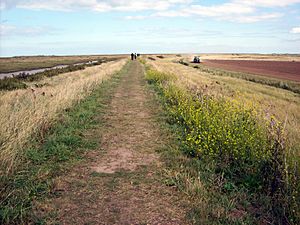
x=11, y=84
x=19, y=81
x=48, y=157
x=232, y=150
x=183, y=62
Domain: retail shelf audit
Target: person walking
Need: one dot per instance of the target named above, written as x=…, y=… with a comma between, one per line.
x=132, y=56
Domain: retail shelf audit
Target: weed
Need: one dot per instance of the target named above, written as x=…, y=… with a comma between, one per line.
x=249, y=152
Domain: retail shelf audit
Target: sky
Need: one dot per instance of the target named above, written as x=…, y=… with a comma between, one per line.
x=68, y=27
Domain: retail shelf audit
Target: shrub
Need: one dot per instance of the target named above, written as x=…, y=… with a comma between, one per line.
x=11, y=84
x=183, y=62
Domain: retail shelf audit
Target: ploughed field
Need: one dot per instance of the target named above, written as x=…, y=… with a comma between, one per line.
x=288, y=70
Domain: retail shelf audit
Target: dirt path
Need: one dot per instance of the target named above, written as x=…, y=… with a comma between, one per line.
x=121, y=182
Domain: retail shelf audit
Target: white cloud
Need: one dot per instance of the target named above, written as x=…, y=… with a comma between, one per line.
x=267, y=3
x=232, y=11
x=95, y=5
x=243, y=11
x=140, y=5
x=10, y=30
x=220, y=10
x=135, y=17
x=295, y=30
x=256, y=18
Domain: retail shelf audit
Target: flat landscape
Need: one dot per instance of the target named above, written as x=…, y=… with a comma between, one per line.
x=21, y=63
x=286, y=70
x=156, y=140
x=255, y=57
x=161, y=112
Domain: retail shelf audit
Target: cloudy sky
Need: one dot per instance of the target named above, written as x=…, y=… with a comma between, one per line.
x=31, y=27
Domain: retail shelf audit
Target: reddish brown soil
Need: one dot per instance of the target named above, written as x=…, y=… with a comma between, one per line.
x=277, y=69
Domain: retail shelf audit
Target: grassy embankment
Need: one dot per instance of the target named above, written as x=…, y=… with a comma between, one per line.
x=56, y=148
x=238, y=169
x=29, y=112
x=284, y=104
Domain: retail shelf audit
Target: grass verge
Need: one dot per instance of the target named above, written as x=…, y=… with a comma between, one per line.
x=62, y=146
x=235, y=167
x=28, y=113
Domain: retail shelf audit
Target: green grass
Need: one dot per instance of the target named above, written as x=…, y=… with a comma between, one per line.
x=47, y=158
x=233, y=164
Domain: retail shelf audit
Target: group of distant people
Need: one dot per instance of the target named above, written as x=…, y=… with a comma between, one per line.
x=134, y=56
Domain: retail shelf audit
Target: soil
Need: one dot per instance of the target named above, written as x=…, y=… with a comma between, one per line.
x=121, y=183
x=277, y=69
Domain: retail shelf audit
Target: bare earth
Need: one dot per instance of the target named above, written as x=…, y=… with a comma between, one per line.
x=277, y=69
x=121, y=183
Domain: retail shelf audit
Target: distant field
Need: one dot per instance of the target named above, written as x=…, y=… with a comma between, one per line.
x=264, y=57
x=278, y=66
x=287, y=70
x=13, y=64
x=256, y=57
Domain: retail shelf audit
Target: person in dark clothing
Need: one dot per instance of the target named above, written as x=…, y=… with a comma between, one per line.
x=135, y=56
x=132, y=56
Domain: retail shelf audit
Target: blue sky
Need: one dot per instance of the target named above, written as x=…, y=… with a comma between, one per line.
x=64, y=27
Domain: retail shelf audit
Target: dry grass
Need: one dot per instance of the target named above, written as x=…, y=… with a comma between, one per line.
x=285, y=105
x=29, y=112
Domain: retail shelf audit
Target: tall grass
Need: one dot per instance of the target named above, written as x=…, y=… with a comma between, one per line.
x=284, y=104
x=248, y=149
x=23, y=193
x=30, y=112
